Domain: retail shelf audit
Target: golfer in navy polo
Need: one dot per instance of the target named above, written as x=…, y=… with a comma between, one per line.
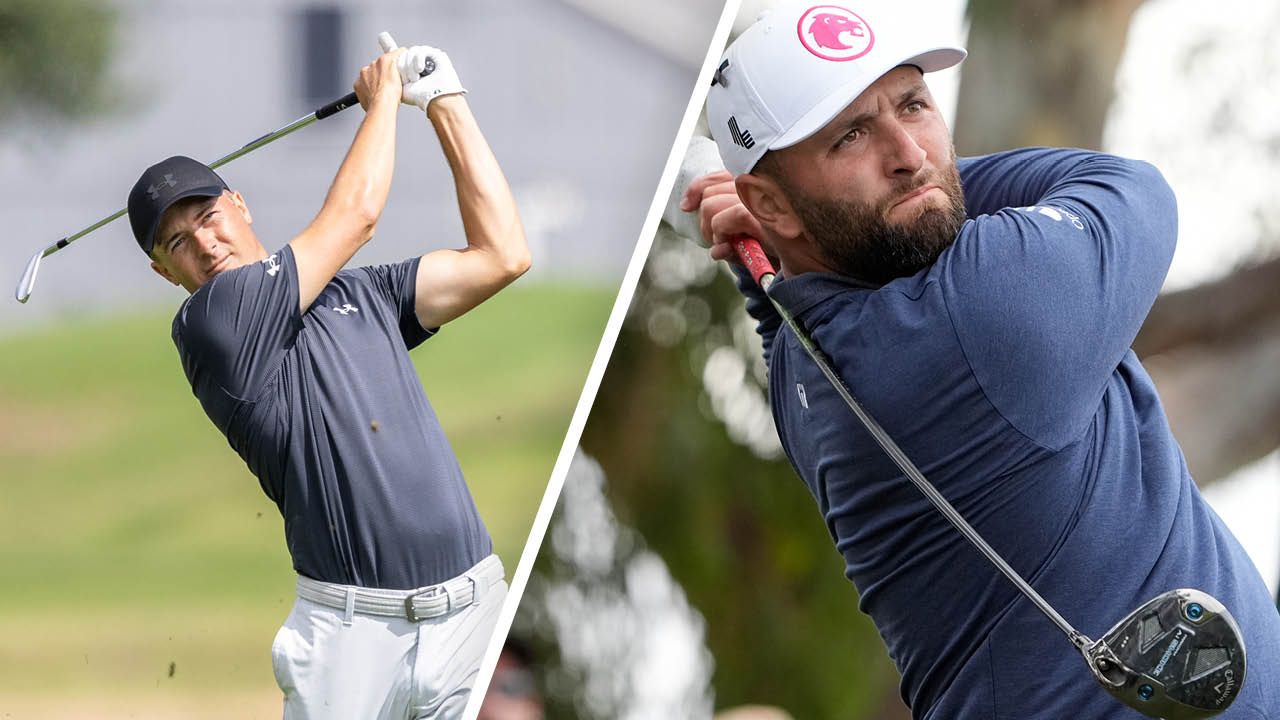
x=304, y=366
x=982, y=310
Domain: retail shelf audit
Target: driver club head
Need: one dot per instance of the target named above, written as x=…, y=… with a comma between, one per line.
x=1180, y=656
x=29, y=277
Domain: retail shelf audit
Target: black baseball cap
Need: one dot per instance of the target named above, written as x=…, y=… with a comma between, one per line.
x=164, y=184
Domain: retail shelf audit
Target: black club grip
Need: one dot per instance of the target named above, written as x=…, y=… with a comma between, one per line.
x=350, y=99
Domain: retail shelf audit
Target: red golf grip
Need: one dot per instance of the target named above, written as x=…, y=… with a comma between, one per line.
x=752, y=256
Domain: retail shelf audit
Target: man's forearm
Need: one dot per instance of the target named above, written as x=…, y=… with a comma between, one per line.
x=359, y=191
x=355, y=200
x=489, y=216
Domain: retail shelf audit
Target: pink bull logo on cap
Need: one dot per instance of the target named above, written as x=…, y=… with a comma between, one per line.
x=835, y=33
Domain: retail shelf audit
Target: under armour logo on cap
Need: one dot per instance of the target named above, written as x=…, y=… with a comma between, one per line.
x=154, y=190
x=162, y=185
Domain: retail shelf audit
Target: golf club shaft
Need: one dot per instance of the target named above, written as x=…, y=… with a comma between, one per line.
x=753, y=258
x=29, y=276
x=244, y=150
x=320, y=113
x=28, y=281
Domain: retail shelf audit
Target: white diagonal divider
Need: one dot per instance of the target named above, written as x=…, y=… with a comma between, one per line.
x=567, y=450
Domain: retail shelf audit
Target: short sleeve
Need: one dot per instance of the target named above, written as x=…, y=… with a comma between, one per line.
x=234, y=330
x=398, y=283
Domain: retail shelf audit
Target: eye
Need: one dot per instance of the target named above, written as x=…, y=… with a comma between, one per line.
x=850, y=137
x=915, y=106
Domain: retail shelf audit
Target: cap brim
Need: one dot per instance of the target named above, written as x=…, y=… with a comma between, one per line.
x=811, y=122
x=202, y=191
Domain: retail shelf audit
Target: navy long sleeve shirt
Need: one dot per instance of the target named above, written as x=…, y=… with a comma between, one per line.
x=1004, y=370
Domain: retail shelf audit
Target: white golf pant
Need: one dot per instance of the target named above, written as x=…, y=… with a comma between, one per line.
x=335, y=661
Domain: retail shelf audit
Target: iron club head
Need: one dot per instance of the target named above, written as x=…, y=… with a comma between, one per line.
x=1178, y=657
x=29, y=277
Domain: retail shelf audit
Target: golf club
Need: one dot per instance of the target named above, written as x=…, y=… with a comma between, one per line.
x=1196, y=674
x=28, y=281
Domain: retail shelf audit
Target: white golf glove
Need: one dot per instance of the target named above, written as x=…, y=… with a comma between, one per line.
x=420, y=90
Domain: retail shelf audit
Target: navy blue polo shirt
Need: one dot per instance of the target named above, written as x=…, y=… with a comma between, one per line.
x=1004, y=370
x=326, y=409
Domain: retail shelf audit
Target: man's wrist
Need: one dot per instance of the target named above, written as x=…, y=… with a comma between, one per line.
x=387, y=94
x=445, y=105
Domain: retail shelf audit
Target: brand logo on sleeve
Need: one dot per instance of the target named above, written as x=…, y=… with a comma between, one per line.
x=273, y=266
x=1055, y=213
x=346, y=309
x=835, y=33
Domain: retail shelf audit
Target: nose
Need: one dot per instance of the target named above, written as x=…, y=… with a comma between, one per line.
x=206, y=242
x=903, y=155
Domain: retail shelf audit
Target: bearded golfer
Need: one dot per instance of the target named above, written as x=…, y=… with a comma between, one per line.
x=982, y=311
x=304, y=367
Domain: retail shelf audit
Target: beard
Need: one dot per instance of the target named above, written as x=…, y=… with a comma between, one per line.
x=856, y=239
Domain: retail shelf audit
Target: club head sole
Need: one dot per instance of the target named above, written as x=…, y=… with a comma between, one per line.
x=1180, y=656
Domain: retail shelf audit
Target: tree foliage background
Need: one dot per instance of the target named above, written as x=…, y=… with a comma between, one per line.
x=681, y=429
x=79, y=34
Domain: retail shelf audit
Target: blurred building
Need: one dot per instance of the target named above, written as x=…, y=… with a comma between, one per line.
x=580, y=100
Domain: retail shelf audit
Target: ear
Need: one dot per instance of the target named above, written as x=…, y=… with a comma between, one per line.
x=164, y=273
x=238, y=200
x=764, y=198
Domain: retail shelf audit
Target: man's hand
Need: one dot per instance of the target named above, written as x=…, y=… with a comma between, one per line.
x=721, y=215
x=380, y=79
x=443, y=80
x=440, y=78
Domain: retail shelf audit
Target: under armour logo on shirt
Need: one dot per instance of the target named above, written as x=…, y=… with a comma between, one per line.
x=154, y=190
x=273, y=266
x=346, y=309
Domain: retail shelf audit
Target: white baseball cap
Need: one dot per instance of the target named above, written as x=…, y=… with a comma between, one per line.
x=798, y=66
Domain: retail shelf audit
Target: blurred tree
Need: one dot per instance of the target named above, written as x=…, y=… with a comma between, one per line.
x=615, y=636
x=54, y=58
x=1039, y=72
x=740, y=533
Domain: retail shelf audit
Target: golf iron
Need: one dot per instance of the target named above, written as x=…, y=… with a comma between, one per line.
x=28, y=281
x=1179, y=656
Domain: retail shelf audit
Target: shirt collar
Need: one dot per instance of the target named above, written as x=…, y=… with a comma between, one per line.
x=800, y=293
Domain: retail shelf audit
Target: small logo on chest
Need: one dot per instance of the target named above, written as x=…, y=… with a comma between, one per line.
x=346, y=309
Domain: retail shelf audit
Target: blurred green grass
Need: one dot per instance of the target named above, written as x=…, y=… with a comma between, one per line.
x=133, y=538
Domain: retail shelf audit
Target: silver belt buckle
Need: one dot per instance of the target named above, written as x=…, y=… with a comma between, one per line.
x=410, y=612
